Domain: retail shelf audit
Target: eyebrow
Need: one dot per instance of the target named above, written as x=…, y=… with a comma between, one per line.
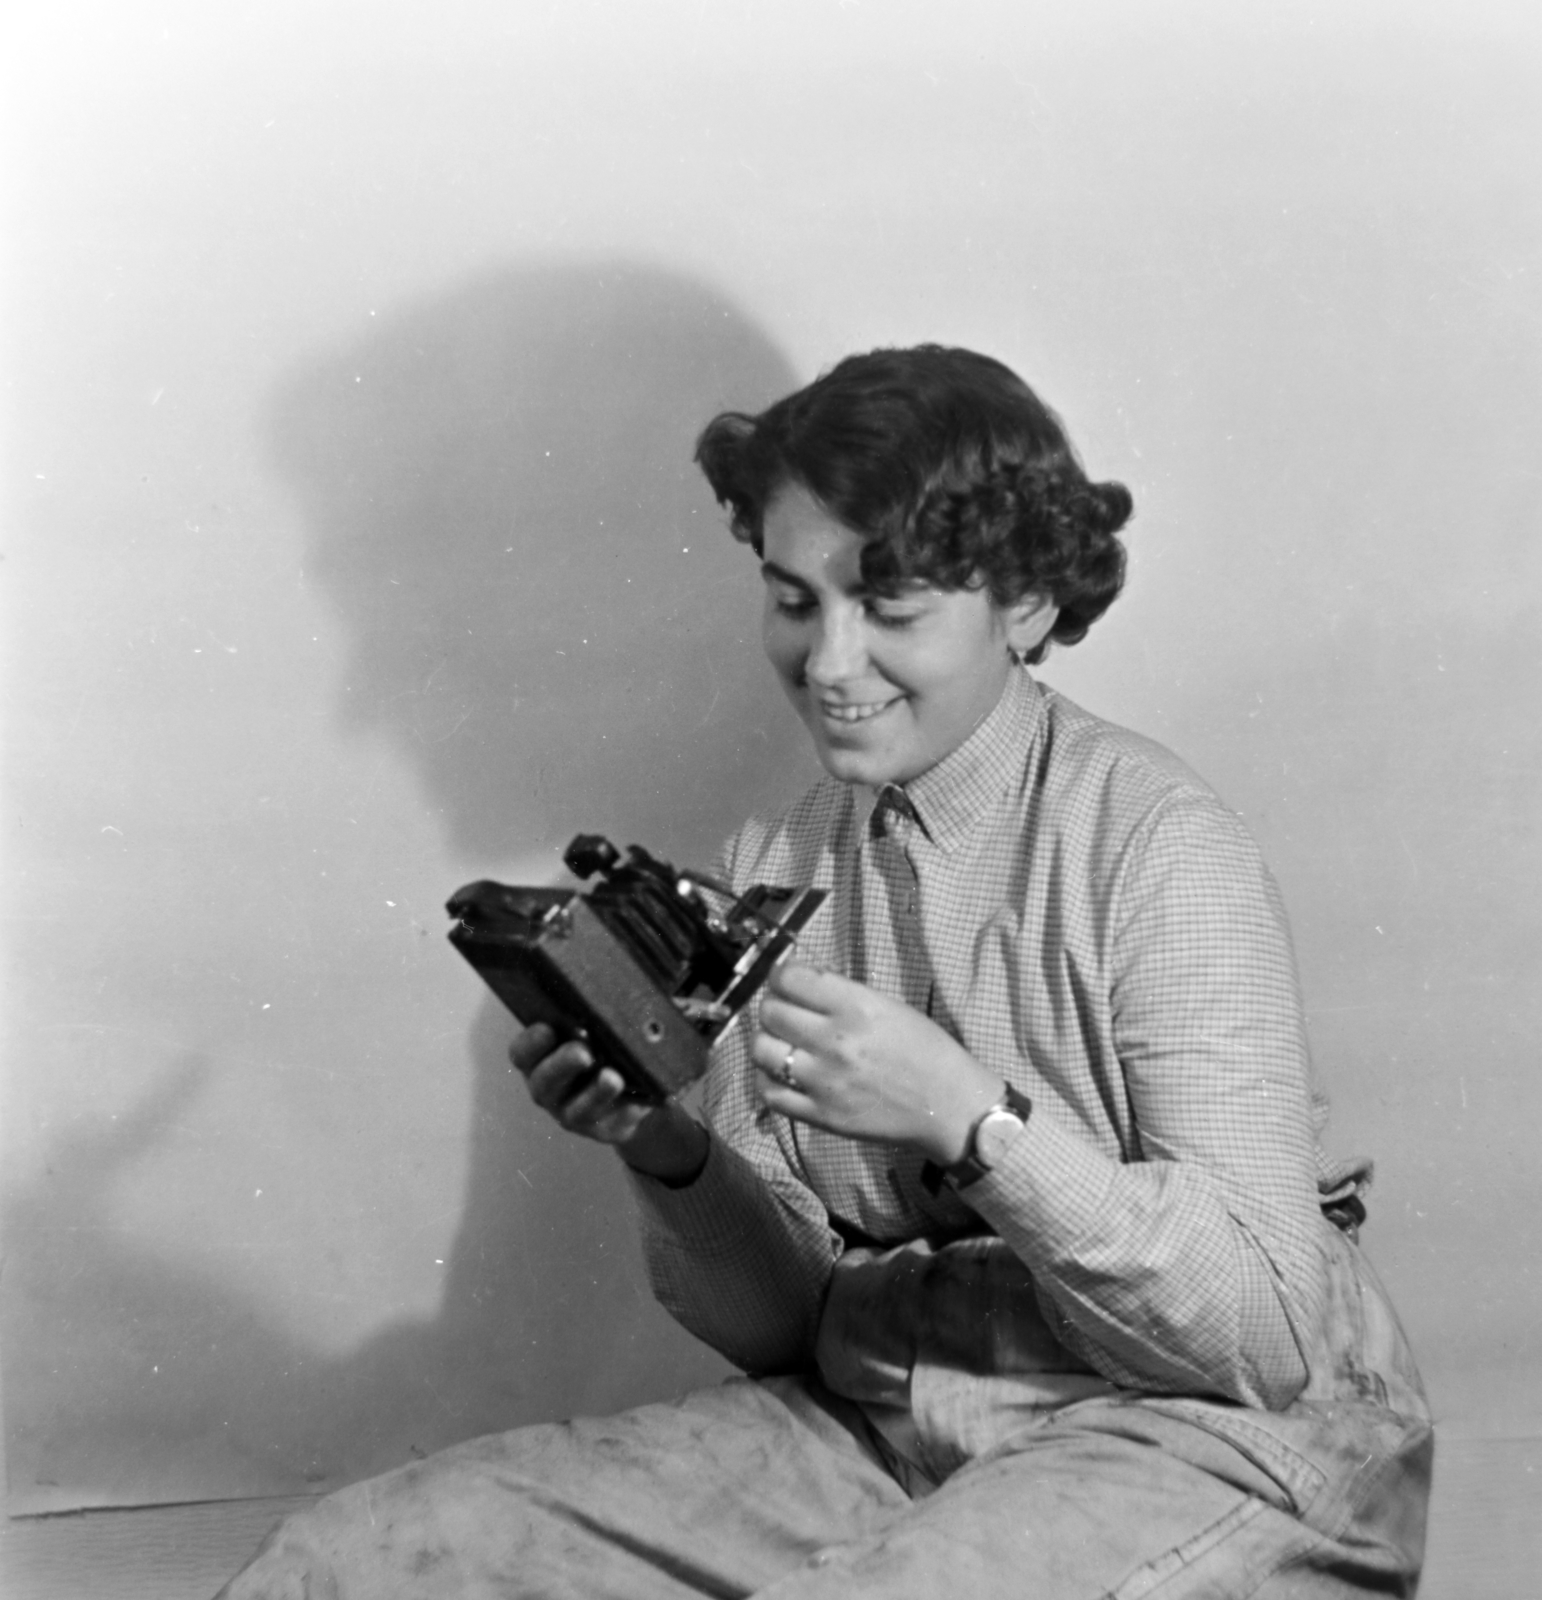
x=769, y=569
x=773, y=573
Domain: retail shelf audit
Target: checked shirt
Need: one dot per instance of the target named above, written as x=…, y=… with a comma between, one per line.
x=1084, y=915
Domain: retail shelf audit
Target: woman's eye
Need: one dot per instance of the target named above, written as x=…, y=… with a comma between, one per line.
x=887, y=616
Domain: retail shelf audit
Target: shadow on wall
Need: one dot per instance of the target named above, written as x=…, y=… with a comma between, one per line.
x=549, y=620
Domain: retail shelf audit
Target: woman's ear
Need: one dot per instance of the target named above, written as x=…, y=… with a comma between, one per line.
x=1028, y=622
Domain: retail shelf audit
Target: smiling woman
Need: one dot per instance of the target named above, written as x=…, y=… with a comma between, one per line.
x=887, y=683
x=922, y=520
x=1008, y=1197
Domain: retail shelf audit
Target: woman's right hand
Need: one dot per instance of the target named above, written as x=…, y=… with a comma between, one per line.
x=565, y=1083
x=664, y=1141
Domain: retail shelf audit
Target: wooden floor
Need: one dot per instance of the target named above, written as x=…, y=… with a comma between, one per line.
x=1485, y=1538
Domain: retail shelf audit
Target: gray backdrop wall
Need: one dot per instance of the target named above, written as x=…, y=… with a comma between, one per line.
x=354, y=355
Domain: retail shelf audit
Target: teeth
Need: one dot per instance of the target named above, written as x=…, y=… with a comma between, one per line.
x=855, y=713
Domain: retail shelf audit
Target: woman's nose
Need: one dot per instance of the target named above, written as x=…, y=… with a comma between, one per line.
x=838, y=651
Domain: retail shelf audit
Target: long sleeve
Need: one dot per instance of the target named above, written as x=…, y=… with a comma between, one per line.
x=742, y=1256
x=1193, y=1264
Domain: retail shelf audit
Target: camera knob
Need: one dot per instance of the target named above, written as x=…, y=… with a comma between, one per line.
x=590, y=853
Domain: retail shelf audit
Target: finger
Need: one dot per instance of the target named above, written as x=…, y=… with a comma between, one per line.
x=788, y=1102
x=769, y=1052
x=813, y=988
x=555, y=1079
x=770, y=1056
x=591, y=1103
x=618, y=1125
x=531, y=1046
x=791, y=1023
x=775, y=1089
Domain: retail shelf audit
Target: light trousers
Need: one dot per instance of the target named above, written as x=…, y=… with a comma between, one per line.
x=776, y=1489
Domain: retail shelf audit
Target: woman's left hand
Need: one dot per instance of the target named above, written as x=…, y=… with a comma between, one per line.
x=866, y=1066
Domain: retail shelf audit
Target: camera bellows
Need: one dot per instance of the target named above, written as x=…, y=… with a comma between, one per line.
x=644, y=968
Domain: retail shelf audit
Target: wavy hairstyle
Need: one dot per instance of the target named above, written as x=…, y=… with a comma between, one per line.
x=950, y=468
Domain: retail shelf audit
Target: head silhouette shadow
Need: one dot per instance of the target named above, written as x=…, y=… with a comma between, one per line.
x=547, y=616
x=548, y=619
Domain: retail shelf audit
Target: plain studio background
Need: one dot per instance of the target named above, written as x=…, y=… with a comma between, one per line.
x=353, y=356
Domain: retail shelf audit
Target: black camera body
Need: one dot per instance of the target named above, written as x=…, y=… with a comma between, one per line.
x=642, y=967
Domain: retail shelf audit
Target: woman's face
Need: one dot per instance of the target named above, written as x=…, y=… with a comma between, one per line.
x=887, y=684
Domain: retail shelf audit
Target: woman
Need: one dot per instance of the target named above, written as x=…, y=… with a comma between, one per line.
x=1009, y=1197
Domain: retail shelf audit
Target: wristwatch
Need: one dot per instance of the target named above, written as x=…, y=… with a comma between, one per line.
x=986, y=1146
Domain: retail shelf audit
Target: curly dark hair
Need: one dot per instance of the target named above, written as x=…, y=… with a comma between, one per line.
x=951, y=469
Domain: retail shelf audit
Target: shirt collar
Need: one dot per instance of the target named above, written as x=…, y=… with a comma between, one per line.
x=948, y=799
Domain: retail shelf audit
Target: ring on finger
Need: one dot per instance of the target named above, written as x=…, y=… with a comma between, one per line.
x=785, y=1074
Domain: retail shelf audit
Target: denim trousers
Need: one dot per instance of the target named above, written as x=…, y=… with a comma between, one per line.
x=776, y=1488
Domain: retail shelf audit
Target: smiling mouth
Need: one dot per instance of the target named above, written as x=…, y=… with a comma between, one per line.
x=860, y=713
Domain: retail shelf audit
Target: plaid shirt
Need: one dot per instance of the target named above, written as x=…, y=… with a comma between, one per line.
x=1086, y=918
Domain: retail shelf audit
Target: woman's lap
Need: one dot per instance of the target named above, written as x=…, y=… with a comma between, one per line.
x=756, y=1488
x=717, y=1493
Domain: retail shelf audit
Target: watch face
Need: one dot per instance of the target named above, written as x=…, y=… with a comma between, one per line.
x=993, y=1138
